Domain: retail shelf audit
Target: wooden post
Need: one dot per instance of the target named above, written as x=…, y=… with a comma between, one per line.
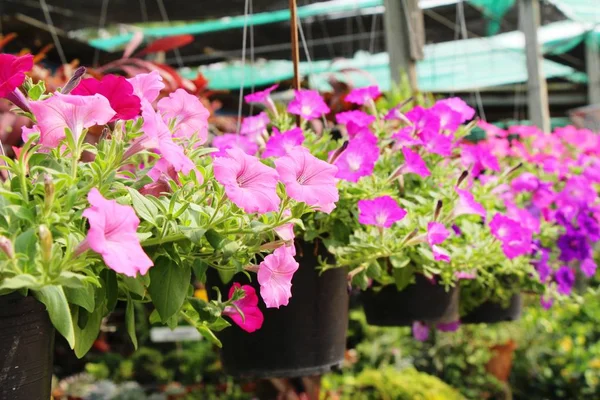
x=539, y=112
x=404, y=37
x=592, y=64
x=295, y=47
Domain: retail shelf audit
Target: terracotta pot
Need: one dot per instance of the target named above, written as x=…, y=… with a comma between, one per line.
x=501, y=362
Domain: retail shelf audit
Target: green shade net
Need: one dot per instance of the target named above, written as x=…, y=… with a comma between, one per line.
x=494, y=11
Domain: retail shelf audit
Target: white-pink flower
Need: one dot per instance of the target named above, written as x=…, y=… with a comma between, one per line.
x=191, y=117
x=275, y=275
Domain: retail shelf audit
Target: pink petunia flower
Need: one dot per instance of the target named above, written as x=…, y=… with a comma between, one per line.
x=382, y=211
x=414, y=164
x=157, y=136
x=363, y=95
x=467, y=204
x=253, y=318
x=436, y=234
x=112, y=234
x=117, y=90
x=516, y=240
x=275, y=275
x=191, y=117
x=147, y=86
x=308, y=179
x=281, y=142
x=360, y=118
x=357, y=160
x=436, y=143
x=233, y=140
x=308, y=104
x=68, y=111
x=249, y=184
x=449, y=119
x=465, y=274
x=262, y=97
x=255, y=125
x=458, y=105
x=286, y=231
x=420, y=331
x=396, y=114
x=12, y=72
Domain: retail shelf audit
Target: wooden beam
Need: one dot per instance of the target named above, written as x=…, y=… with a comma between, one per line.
x=529, y=18
x=592, y=64
x=405, y=37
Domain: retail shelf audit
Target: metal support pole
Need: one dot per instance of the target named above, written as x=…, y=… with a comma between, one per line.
x=592, y=64
x=539, y=112
x=404, y=37
x=295, y=47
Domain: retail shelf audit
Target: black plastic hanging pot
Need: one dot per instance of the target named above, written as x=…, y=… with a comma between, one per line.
x=421, y=301
x=26, y=349
x=491, y=312
x=306, y=337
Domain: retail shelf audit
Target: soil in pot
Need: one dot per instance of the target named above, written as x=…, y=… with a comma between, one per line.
x=420, y=301
x=26, y=349
x=307, y=337
x=491, y=312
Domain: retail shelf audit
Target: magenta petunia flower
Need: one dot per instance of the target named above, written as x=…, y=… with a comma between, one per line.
x=465, y=275
x=588, y=267
x=112, y=234
x=62, y=111
x=526, y=182
x=233, y=140
x=147, y=86
x=423, y=120
x=448, y=326
x=458, y=105
x=308, y=104
x=255, y=125
x=382, y=211
x=275, y=275
x=261, y=97
x=449, y=119
x=414, y=164
x=280, y=144
x=515, y=239
x=117, y=90
x=436, y=143
x=363, y=95
x=525, y=217
x=190, y=115
x=357, y=160
x=479, y=157
x=360, y=118
x=546, y=302
x=12, y=72
x=436, y=234
x=249, y=184
x=467, y=204
x=565, y=280
x=253, y=318
x=308, y=179
x=396, y=114
x=420, y=331
x=404, y=137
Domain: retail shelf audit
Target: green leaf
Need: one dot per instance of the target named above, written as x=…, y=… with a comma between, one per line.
x=403, y=276
x=134, y=285
x=200, y=267
x=143, y=207
x=26, y=243
x=109, y=282
x=206, y=311
x=154, y=318
x=130, y=322
x=83, y=297
x=53, y=297
x=168, y=286
x=208, y=334
x=219, y=325
x=194, y=234
x=216, y=241
x=37, y=90
x=20, y=282
x=85, y=338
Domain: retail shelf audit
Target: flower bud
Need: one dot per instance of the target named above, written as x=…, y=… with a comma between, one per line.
x=6, y=247
x=336, y=154
x=438, y=209
x=48, y=191
x=462, y=177
x=45, y=242
x=513, y=169
x=74, y=81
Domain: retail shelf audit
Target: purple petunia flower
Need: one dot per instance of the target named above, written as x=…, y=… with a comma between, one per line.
x=573, y=246
x=565, y=279
x=448, y=326
x=588, y=267
x=541, y=266
x=420, y=331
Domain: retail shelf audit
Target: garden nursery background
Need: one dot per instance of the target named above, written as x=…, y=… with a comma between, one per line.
x=299, y=199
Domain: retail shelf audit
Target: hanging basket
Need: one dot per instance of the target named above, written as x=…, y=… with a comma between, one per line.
x=421, y=301
x=26, y=349
x=490, y=312
x=306, y=337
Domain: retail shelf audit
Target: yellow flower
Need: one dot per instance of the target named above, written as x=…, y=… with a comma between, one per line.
x=566, y=344
x=201, y=294
x=594, y=363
